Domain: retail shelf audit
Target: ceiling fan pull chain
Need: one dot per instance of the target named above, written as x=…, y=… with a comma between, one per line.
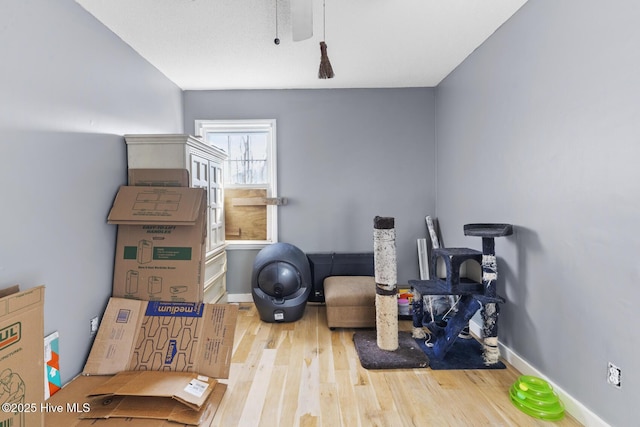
x=326, y=70
x=277, y=39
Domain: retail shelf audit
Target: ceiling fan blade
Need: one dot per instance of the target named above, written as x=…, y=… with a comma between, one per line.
x=302, y=19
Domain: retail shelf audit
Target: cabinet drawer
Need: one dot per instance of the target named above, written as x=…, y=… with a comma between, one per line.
x=215, y=267
x=215, y=290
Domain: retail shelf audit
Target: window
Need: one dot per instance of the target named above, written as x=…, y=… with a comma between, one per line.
x=250, y=190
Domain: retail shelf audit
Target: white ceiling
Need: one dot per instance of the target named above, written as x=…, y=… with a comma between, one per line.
x=229, y=44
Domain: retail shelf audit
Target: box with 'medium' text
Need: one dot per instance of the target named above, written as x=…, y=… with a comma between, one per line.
x=137, y=335
x=160, y=243
x=152, y=364
x=21, y=357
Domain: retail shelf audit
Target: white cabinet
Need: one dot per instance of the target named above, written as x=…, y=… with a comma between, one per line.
x=205, y=165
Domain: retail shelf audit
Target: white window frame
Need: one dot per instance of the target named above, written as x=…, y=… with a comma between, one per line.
x=202, y=127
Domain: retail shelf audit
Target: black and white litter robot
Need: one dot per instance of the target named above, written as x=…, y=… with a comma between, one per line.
x=281, y=283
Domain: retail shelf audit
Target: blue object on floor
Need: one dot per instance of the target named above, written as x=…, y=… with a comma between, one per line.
x=463, y=354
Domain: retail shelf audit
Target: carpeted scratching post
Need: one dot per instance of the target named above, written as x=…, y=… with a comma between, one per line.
x=385, y=267
x=386, y=348
x=491, y=310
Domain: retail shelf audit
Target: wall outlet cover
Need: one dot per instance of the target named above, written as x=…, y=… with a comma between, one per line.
x=614, y=375
x=94, y=325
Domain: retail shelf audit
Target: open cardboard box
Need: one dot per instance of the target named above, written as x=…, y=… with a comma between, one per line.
x=21, y=356
x=160, y=243
x=160, y=340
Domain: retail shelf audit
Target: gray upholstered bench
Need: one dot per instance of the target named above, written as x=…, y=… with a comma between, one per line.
x=350, y=301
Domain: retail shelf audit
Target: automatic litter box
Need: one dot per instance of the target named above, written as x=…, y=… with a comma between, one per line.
x=280, y=283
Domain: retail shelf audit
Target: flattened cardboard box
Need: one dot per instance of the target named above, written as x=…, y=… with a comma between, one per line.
x=187, y=388
x=22, y=357
x=71, y=407
x=160, y=243
x=175, y=396
x=163, y=336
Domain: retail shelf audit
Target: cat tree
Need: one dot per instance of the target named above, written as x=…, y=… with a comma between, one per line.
x=472, y=295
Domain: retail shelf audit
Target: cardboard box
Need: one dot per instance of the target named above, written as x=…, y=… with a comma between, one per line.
x=163, y=336
x=152, y=348
x=187, y=388
x=21, y=357
x=181, y=397
x=160, y=243
x=71, y=407
x=158, y=177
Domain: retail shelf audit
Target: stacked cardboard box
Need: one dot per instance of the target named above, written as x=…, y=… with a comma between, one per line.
x=160, y=351
x=160, y=243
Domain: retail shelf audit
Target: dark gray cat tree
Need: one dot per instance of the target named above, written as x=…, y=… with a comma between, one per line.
x=472, y=295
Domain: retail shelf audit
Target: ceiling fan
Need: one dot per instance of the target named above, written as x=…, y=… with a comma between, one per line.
x=302, y=29
x=301, y=19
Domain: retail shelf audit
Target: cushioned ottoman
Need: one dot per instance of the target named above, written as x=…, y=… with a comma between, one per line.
x=350, y=301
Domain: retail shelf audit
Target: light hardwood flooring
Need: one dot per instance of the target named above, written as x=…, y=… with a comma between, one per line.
x=303, y=374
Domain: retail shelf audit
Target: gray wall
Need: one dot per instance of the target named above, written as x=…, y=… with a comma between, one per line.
x=70, y=90
x=344, y=156
x=539, y=127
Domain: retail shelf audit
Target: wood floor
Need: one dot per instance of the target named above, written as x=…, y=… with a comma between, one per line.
x=303, y=374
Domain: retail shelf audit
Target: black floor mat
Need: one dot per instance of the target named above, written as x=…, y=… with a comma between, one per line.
x=407, y=356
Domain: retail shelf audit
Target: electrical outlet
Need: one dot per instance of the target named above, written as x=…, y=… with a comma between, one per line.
x=614, y=375
x=94, y=325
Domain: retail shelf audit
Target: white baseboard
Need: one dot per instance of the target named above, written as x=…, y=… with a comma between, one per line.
x=239, y=298
x=577, y=410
